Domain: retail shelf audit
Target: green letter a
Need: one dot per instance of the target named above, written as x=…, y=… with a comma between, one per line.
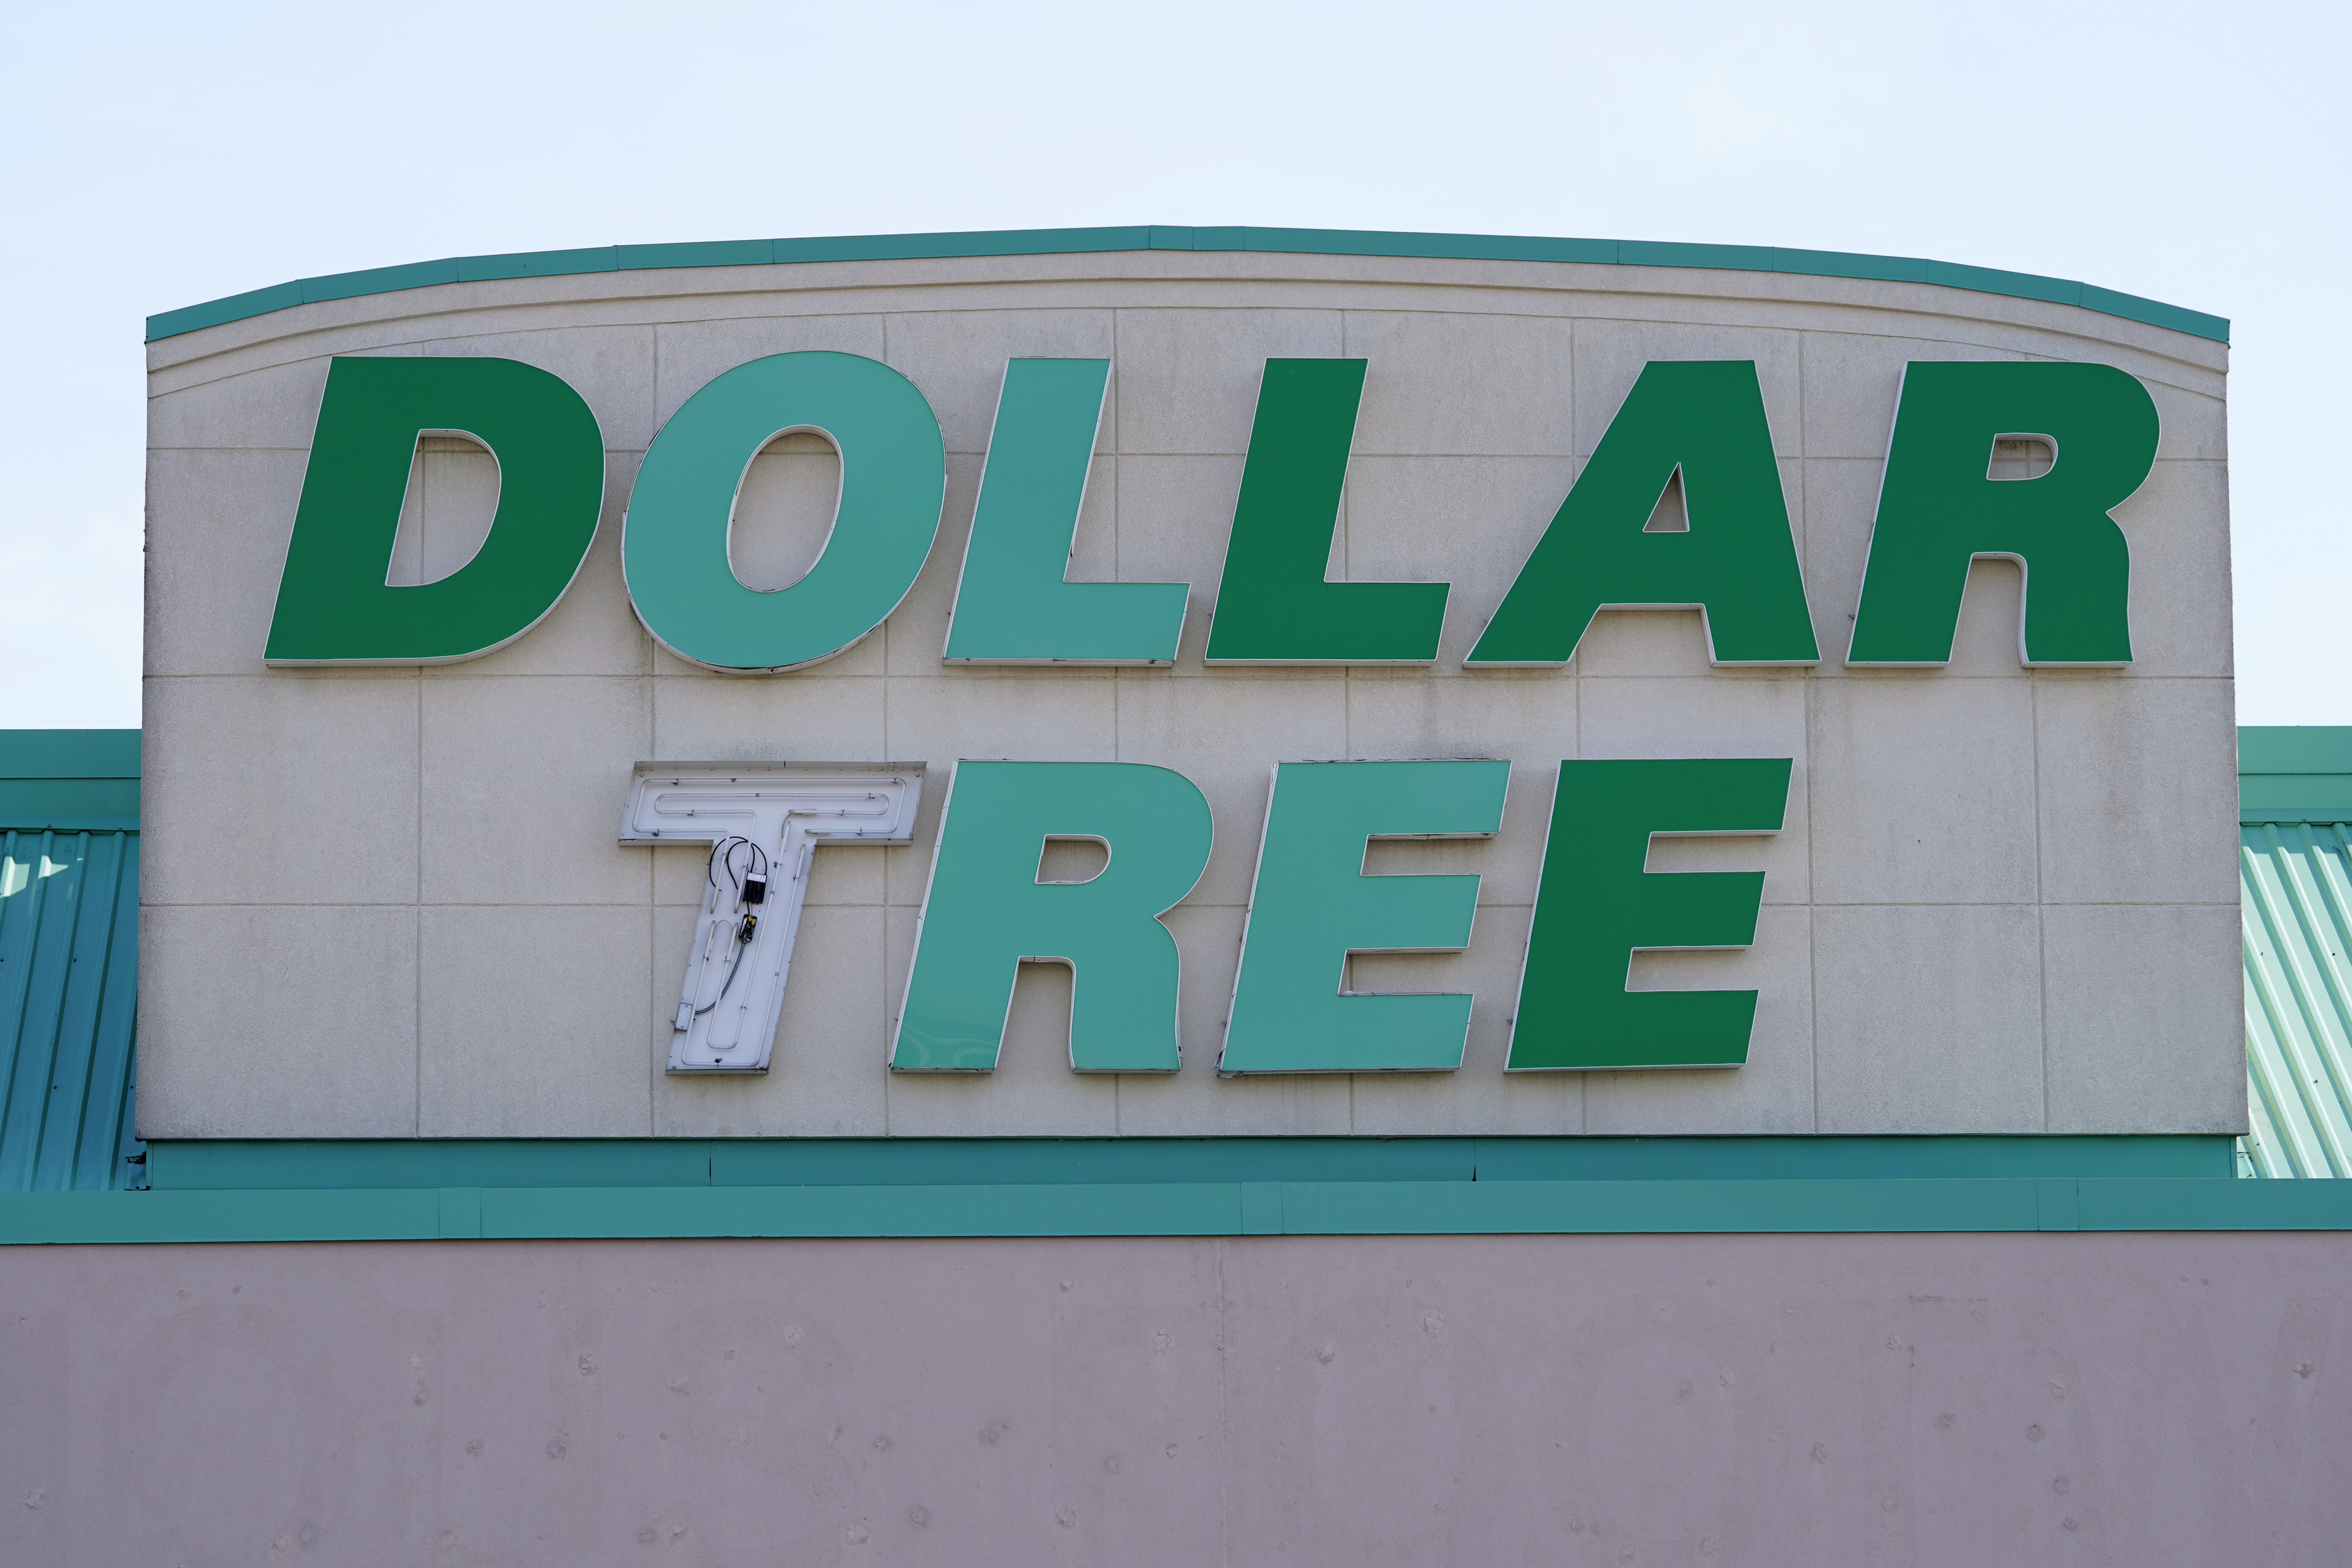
x=1736, y=564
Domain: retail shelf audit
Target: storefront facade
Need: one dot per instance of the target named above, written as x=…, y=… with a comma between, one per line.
x=1213, y=804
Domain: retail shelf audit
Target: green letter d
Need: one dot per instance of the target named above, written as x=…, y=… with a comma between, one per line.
x=334, y=605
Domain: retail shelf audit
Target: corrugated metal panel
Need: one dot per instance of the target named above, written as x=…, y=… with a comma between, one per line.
x=2296, y=882
x=68, y=967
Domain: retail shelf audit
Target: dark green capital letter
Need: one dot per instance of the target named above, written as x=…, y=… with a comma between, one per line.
x=1736, y=564
x=1595, y=907
x=1274, y=605
x=1938, y=509
x=333, y=604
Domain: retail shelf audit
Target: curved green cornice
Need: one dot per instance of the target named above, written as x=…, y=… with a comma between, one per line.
x=1157, y=236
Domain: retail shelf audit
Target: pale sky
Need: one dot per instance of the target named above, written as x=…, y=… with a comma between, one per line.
x=159, y=156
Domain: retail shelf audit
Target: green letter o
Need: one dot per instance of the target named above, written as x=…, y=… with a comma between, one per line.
x=893, y=482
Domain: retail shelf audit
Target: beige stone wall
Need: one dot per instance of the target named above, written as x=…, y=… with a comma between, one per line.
x=2005, y=901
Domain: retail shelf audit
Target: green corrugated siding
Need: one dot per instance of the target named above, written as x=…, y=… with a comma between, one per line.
x=2294, y=864
x=69, y=965
x=2297, y=902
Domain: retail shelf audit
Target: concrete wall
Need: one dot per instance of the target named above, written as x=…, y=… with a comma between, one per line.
x=2005, y=901
x=1821, y=1401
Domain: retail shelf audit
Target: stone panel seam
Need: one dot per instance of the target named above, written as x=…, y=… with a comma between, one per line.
x=416, y=941
x=2040, y=924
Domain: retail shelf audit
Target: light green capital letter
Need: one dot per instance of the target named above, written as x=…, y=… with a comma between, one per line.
x=334, y=605
x=893, y=482
x=1014, y=604
x=986, y=913
x=1939, y=509
x=1274, y=605
x=1736, y=563
x=1596, y=907
x=1312, y=906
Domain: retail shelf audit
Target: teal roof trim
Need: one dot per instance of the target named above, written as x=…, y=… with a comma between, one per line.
x=399, y=1189
x=389, y=1162
x=2294, y=749
x=1182, y=1209
x=69, y=806
x=1162, y=236
x=2299, y=772
x=69, y=781
x=68, y=753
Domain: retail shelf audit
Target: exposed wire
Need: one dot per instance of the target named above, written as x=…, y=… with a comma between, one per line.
x=722, y=854
x=741, y=946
